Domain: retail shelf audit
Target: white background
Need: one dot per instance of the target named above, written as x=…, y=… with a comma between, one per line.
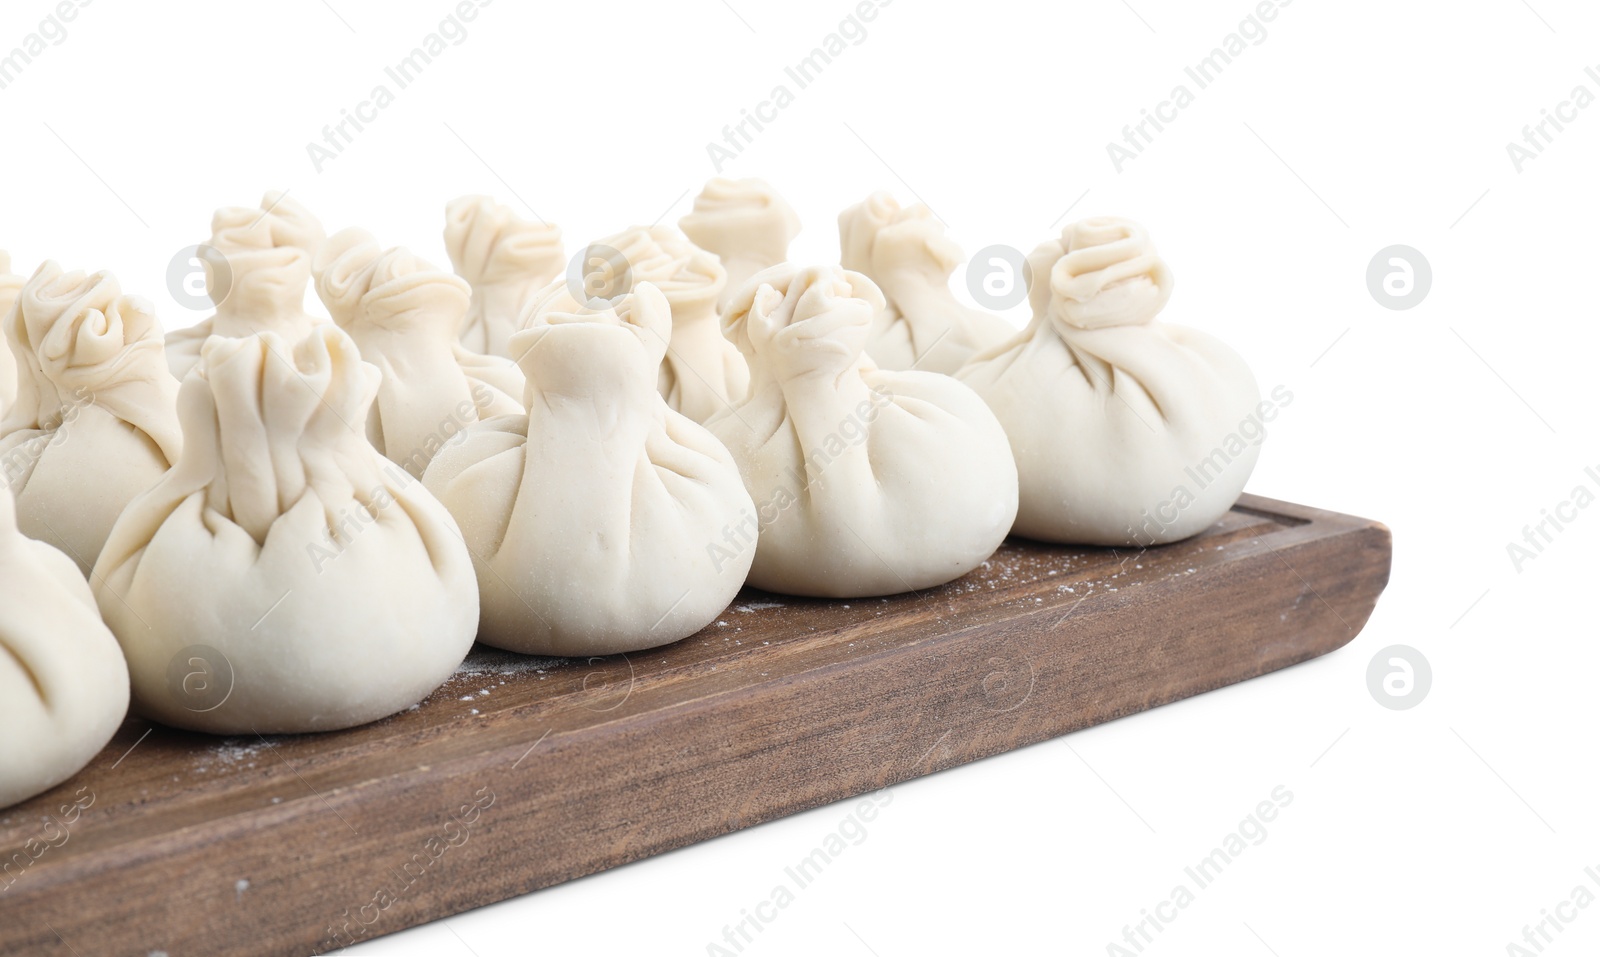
x=1352, y=126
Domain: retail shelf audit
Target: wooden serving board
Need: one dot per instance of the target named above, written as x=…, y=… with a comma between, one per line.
x=521, y=772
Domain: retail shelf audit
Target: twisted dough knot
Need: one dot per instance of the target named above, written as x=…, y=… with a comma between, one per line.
x=1105, y=272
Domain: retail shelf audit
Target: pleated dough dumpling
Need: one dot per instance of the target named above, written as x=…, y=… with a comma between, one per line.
x=906, y=253
x=504, y=258
x=405, y=316
x=63, y=682
x=702, y=372
x=1125, y=429
x=596, y=517
x=746, y=224
x=325, y=587
x=10, y=287
x=263, y=289
x=96, y=420
x=868, y=482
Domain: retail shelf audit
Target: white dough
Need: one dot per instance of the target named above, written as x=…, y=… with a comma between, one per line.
x=405, y=316
x=1125, y=429
x=746, y=224
x=504, y=258
x=95, y=421
x=702, y=371
x=63, y=683
x=263, y=289
x=906, y=253
x=594, y=518
x=868, y=481
x=10, y=287
x=329, y=584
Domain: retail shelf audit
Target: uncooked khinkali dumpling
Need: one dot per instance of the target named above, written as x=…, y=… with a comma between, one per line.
x=906, y=253
x=404, y=315
x=594, y=518
x=702, y=371
x=63, y=683
x=96, y=420
x=504, y=258
x=1125, y=429
x=263, y=289
x=10, y=287
x=746, y=223
x=313, y=584
x=868, y=482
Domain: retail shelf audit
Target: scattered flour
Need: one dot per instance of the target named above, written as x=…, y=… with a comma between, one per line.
x=229, y=753
x=491, y=661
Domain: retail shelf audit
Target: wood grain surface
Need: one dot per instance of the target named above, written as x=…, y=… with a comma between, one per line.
x=524, y=772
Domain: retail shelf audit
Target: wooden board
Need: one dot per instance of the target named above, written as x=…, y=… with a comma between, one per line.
x=520, y=773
